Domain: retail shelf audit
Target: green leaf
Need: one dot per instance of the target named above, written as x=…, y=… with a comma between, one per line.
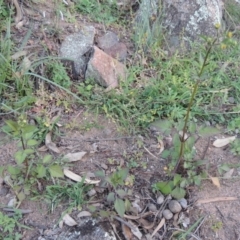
x=119, y=206
x=13, y=170
x=20, y=156
x=165, y=126
x=127, y=205
x=208, y=131
x=28, y=151
x=177, y=178
x=165, y=153
x=32, y=142
x=192, y=127
x=29, y=129
x=21, y=196
x=178, y=193
x=197, y=180
x=56, y=171
x=100, y=174
x=123, y=173
x=13, y=125
x=121, y=193
x=111, y=197
x=41, y=171
x=2, y=168
x=165, y=187
x=47, y=158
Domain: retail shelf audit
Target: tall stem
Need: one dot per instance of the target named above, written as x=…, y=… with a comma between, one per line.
x=185, y=127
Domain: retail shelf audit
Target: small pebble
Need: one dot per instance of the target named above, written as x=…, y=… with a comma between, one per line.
x=104, y=166
x=174, y=206
x=12, y=202
x=183, y=202
x=167, y=214
x=152, y=207
x=92, y=192
x=160, y=199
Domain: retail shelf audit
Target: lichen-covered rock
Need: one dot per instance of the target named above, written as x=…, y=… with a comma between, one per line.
x=75, y=48
x=181, y=21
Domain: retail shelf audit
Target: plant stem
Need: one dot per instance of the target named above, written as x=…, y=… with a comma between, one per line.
x=185, y=127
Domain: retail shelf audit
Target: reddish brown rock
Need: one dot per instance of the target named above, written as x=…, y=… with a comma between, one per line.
x=106, y=70
x=117, y=51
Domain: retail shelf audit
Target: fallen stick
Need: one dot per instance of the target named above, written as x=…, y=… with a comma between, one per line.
x=218, y=199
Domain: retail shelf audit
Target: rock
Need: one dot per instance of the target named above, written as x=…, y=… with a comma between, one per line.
x=76, y=47
x=12, y=203
x=106, y=70
x=160, y=199
x=89, y=229
x=107, y=41
x=167, y=214
x=183, y=21
x=174, y=206
x=104, y=166
x=183, y=202
x=117, y=51
x=92, y=192
x=152, y=207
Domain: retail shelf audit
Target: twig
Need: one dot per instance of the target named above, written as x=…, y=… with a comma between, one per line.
x=124, y=222
x=150, y=152
x=23, y=211
x=95, y=140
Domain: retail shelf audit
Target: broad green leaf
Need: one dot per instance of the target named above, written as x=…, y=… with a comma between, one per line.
x=178, y=193
x=41, y=171
x=121, y=193
x=165, y=153
x=119, y=206
x=104, y=214
x=197, y=180
x=165, y=187
x=183, y=183
x=20, y=156
x=32, y=142
x=111, y=197
x=28, y=151
x=47, y=158
x=127, y=205
x=13, y=170
x=177, y=178
x=13, y=125
x=208, y=131
x=29, y=129
x=21, y=196
x=56, y=171
x=123, y=173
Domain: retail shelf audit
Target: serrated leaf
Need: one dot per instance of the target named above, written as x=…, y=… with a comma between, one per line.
x=47, y=158
x=56, y=171
x=208, y=131
x=178, y=193
x=119, y=206
x=41, y=171
x=111, y=197
x=121, y=193
x=20, y=156
x=223, y=142
x=165, y=187
x=32, y=142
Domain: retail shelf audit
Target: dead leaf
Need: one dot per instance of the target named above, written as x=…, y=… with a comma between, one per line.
x=18, y=54
x=42, y=149
x=146, y=224
x=223, y=142
x=69, y=220
x=50, y=145
x=218, y=199
x=77, y=178
x=162, y=222
x=215, y=181
x=127, y=232
x=73, y=157
x=136, y=232
x=161, y=146
x=84, y=214
x=229, y=173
